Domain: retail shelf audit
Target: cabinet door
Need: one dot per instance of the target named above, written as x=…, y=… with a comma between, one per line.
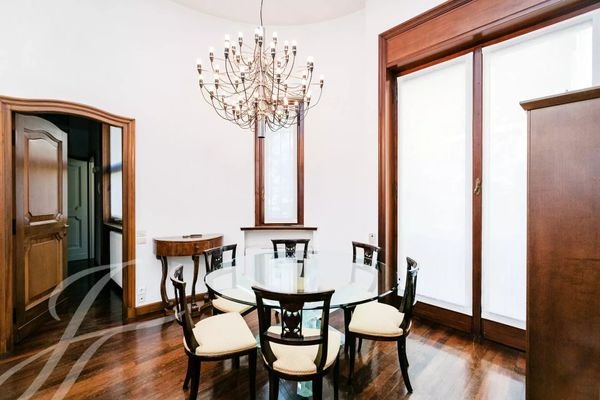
x=564, y=252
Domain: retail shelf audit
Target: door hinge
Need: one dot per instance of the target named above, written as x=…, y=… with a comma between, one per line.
x=14, y=226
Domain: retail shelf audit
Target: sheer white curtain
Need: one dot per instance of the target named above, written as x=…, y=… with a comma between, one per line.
x=434, y=181
x=545, y=62
x=281, y=176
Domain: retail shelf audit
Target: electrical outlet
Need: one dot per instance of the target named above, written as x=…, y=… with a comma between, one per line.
x=141, y=295
x=372, y=238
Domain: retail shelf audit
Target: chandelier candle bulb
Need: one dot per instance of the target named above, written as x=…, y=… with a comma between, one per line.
x=199, y=65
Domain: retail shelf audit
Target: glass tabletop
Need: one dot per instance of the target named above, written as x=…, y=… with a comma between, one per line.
x=353, y=282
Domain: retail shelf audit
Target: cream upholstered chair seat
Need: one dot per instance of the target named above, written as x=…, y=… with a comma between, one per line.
x=224, y=305
x=300, y=360
x=222, y=334
x=376, y=319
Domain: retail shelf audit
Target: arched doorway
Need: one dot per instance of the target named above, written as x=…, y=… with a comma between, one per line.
x=8, y=108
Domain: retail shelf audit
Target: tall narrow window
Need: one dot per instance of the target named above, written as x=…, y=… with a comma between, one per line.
x=280, y=163
x=546, y=62
x=116, y=174
x=434, y=181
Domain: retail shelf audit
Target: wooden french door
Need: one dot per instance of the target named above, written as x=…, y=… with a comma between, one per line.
x=40, y=157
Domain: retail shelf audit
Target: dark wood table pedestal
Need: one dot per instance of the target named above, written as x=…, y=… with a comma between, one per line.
x=183, y=246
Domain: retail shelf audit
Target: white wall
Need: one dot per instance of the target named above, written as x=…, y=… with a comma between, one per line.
x=194, y=171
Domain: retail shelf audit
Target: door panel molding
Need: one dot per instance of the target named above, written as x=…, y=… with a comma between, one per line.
x=9, y=106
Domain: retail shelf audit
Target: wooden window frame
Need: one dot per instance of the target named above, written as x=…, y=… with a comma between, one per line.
x=111, y=223
x=259, y=179
x=451, y=29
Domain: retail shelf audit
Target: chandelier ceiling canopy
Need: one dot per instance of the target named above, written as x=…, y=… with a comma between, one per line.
x=259, y=85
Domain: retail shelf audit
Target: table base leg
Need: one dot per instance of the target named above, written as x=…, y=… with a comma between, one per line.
x=166, y=303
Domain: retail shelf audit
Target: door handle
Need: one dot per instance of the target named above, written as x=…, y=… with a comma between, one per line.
x=477, y=189
x=67, y=225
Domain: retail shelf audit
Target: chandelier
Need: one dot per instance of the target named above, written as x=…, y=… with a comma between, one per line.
x=258, y=85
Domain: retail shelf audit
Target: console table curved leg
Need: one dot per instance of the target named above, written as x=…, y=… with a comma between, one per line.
x=167, y=304
x=196, y=267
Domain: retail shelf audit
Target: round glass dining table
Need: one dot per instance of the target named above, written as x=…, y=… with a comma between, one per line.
x=354, y=282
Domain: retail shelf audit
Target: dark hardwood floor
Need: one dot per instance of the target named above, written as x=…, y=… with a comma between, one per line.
x=149, y=363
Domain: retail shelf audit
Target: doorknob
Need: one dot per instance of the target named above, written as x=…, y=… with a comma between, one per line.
x=477, y=189
x=67, y=225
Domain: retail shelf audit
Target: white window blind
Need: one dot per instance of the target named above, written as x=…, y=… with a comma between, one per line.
x=434, y=181
x=281, y=176
x=546, y=62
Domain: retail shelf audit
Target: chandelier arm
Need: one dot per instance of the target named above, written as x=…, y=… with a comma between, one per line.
x=222, y=88
x=292, y=67
x=314, y=104
x=245, y=92
x=272, y=80
x=215, y=108
x=253, y=50
x=227, y=73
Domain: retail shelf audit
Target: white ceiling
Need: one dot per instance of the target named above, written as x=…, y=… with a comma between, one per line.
x=276, y=12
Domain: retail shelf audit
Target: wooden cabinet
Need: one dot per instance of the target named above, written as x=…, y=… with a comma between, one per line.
x=563, y=249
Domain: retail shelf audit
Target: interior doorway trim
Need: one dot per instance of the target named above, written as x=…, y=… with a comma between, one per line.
x=10, y=105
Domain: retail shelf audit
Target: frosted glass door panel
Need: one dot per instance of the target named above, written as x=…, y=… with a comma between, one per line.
x=281, y=176
x=434, y=181
x=546, y=62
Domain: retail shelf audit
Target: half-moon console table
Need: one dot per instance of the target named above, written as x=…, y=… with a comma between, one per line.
x=183, y=246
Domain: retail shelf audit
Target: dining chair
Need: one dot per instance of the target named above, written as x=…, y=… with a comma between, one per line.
x=213, y=259
x=290, y=246
x=370, y=252
x=213, y=338
x=290, y=350
x=382, y=322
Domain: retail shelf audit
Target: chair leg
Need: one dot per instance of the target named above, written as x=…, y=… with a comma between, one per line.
x=188, y=374
x=317, y=388
x=252, y=373
x=347, y=317
x=236, y=362
x=359, y=344
x=273, y=386
x=336, y=379
x=195, y=378
x=352, y=356
x=404, y=362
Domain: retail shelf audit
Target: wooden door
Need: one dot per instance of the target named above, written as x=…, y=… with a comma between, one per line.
x=40, y=218
x=78, y=210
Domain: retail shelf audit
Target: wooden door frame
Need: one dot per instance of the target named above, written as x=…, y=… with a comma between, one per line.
x=9, y=106
x=452, y=28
